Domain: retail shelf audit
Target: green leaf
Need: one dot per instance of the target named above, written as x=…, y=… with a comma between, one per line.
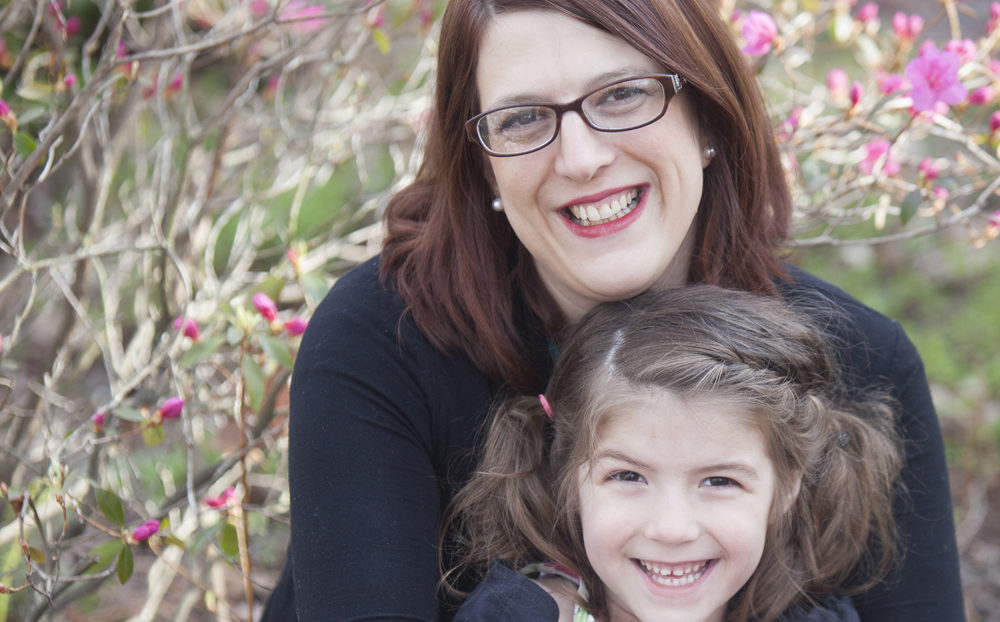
x=169, y=540
x=277, y=350
x=105, y=553
x=254, y=380
x=381, y=41
x=36, y=555
x=111, y=506
x=315, y=285
x=128, y=414
x=24, y=144
x=125, y=565
x=152, y=435
x=228, y=541
x=200, y=350
x=911, y=202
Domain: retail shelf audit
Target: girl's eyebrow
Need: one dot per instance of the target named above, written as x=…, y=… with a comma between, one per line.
x=596, y=82
x=614, y=454
x=732, y=467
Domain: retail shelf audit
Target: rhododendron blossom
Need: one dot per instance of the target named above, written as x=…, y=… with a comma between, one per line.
x=934, y=78
x=307, y=16
x=889, y=83
x=98, y=419
x=188, y=326
x=878, y=151
x=837, y=81
x=759, y=32
x=929, y=168
x=965, y=49
x=982, y=95
x=265, y=306
x=991, y=23
x=867, y=13
x=856, y=93
x=222, y=500
x=907, y=28
x=295, y=326
x=145, y=530
x=995, y=122
x=171, y=408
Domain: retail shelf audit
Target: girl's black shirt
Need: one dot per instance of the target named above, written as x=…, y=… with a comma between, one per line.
x=383, y=431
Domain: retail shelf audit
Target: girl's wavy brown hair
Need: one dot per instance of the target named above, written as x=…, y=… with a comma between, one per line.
x=837, y=459
x=459, y=266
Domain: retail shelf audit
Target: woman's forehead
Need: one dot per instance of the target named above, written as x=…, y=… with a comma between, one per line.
x=548, y=56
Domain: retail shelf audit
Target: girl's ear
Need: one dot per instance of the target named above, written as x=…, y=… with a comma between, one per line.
x=787, y=500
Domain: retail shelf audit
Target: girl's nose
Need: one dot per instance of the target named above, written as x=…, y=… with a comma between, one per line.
x=583, y=151
x=671, y=519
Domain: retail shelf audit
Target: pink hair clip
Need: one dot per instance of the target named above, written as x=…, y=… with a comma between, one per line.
x=545, y=405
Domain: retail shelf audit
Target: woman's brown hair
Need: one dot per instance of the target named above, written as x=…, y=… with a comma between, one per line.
x=458, y=265
x=836, y=459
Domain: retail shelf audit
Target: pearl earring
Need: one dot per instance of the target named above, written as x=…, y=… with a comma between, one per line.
x=708, y=152
x=497, y=205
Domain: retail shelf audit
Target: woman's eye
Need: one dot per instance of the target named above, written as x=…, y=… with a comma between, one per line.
x=719, y=482
x=621, y=95
x=626, y=476
x=520, y=119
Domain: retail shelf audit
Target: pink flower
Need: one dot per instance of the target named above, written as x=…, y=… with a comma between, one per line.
x=876, y=151
x=260, y=8
x=222, y=500
x=867, y=13
x=991, y=23
x=907, y=28
x=98, y=419
x=856, y=93
x=69, y=80
x=189, y=326
x=376, y=16
x=145, y=530
x=296, y=326
x=304, y=16
x=934, y=76
x=888, y=83
x=965, y=49
x=171, y=408
x=759, y=32
x=995, y=122
x=982, y=95
x=994, y=218
x=7, y=116
x=176, y=84
x=265, y=306
x=837, y=81
x=72, y=25
x=929, y=168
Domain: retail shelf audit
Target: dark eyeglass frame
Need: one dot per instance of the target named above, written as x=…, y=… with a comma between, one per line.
x=672, y=85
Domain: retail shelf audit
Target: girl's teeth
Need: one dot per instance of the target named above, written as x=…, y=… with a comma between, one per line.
x=674, y=577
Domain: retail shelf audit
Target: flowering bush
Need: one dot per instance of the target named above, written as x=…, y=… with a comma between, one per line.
x=180, y=184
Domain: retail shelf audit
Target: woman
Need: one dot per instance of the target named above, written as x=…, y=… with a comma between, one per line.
x=512, y=231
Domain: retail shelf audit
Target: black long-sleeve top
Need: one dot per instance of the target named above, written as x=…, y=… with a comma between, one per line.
x=383, y=432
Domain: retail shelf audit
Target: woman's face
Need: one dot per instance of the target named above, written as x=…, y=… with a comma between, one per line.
x=543, y=56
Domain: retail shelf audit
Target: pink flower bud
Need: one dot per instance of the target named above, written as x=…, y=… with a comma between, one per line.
x=265, y=306
x=929, y=168
x=69, y=80
x=72, y=25
x=995, y=122
x=7, y=116
x=879, y=151
x=175, y=84
x=837, y=81
x=189, y=326
x=222, y=500
x=376, y=16
x=171, y=408
x=98, y=419
x=907, y=28
x=293, y=257
x=856, y=93
x=145, y=530
x=295, y=326
x=260, y=8
x=889, y=83
x=868, y=12
x=995, y=218
x=991, y=23
x=965, y=49
x=982, y=95
x=940, y=193
x=759, y=33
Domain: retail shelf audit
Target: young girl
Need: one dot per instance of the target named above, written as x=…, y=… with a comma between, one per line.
x=694, y=459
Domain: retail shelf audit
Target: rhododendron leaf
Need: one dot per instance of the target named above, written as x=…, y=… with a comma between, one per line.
x=125, y=565
x=381, y=41
x=105, y=553
x=200, y=350
x=908, y=208
x=169, y=540
x=277, y=350
x=228, y=541
x=152, y=435
x=315, y=285
x=254, y=380
x=24, y=144
x=36, y=555
x=111, y=506
x=128, y=414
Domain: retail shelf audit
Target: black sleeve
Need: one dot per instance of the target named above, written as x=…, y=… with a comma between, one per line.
x=874, y=351
x=371, y=439
x=507, y=596
x=927, y=587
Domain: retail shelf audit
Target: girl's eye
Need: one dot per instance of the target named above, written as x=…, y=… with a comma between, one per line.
x=626, y=476
x=719, y=482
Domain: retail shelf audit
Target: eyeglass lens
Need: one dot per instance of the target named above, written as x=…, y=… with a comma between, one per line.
x=621, y=106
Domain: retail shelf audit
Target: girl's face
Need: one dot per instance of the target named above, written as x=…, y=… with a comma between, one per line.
x=541, y=57
x=675, y=507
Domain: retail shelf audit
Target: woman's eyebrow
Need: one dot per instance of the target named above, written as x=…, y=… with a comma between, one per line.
x=596, y=82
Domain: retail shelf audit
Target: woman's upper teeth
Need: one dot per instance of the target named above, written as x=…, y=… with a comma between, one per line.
x=610, y=210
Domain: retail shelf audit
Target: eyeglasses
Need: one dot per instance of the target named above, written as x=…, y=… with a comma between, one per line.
x=617, y=107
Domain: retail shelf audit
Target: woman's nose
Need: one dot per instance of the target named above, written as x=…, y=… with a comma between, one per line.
x=672, y=519
x=583, y=151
